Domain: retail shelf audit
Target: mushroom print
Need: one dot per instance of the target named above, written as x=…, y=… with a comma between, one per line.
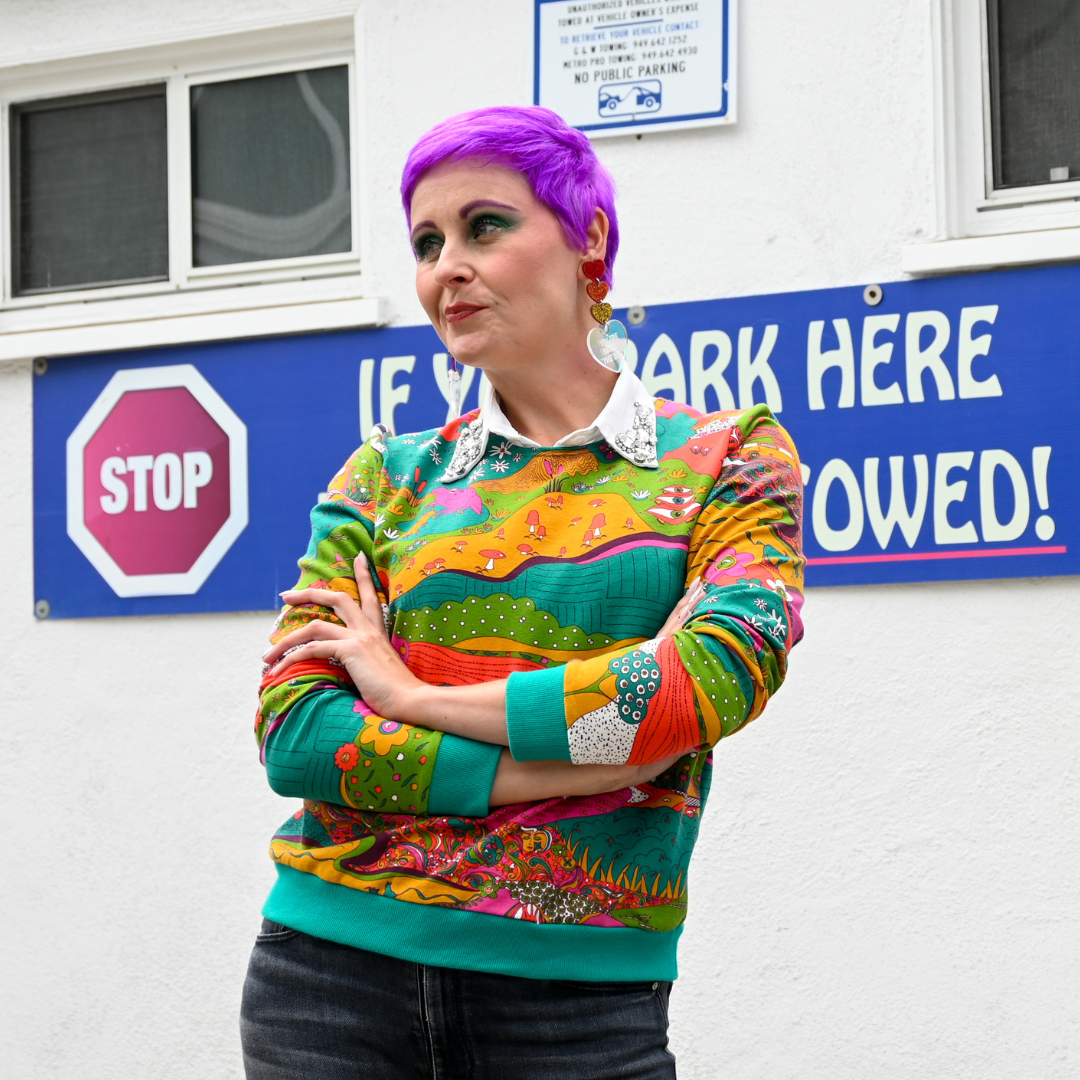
x=491, y=555
x=533, y=520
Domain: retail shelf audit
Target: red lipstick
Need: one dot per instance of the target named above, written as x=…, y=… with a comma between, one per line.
x=456, y=313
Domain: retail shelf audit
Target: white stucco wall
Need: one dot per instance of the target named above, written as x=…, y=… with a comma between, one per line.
x=885, y=884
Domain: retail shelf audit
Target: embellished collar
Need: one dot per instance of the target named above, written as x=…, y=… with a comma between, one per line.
x=627, y=423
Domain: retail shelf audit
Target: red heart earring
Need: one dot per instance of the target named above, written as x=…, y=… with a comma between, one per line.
x=607, y=342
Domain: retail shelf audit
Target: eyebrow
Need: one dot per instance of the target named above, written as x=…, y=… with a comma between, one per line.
x=429, y=224
x=468, y=208
x=464, y=212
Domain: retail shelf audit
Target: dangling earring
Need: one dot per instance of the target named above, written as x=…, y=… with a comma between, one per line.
x=606, y=342
x=453, y=384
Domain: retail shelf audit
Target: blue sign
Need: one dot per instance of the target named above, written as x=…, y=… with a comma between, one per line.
x=934, y=425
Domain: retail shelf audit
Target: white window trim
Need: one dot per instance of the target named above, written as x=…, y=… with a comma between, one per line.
x=979, y=228
x=253, y=299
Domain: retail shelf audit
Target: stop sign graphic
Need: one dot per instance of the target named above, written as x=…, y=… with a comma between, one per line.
x=157, y=481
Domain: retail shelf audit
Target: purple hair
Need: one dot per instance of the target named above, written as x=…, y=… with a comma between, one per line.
x=556, y=159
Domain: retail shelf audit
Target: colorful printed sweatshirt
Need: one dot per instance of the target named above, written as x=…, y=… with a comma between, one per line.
x=553, y=567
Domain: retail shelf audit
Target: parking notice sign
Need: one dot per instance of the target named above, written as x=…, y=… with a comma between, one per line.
x=612, y=66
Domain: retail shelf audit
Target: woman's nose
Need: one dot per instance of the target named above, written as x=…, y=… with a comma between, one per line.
x=452, y=268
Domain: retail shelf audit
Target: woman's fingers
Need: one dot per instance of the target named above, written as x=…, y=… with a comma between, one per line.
x=681, y=611
x=695, y=593
x=676, y=619
x=370, y=604
x=315, y=650
x=342, y=605
x=316, y=630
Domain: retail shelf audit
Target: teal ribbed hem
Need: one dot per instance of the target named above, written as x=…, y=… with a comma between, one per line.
x=468, y=940
x=463, y=776
x=535, y=717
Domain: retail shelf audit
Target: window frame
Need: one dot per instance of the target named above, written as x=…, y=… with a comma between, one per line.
x=980, y=226
x=262, y=269
x=332, y=280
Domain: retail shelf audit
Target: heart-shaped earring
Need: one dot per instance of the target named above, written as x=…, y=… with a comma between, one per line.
x=607, y=345
x=607, y=342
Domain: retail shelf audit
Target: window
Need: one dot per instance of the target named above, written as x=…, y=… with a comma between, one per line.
x=1034, y=74
x=270, y=167
x=195, y=178
x=1007, y=90
x=89, y=191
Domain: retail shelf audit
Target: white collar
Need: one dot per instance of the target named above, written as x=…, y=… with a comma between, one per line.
x=627, y=423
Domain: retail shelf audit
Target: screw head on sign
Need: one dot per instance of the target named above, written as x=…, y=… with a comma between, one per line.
x=42, y=609
x=594, y=269
x=41, y=365
x=873, y=295
x=635, y=315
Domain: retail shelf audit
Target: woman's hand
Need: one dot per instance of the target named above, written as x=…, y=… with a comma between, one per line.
x=476, y=711
x=681, y=611
x=531, y=781
x=361, y=645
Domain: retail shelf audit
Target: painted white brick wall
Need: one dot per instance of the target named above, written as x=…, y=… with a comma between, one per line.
x=885, y=884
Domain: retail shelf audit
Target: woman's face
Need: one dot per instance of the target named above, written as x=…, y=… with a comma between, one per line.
x=494, y=270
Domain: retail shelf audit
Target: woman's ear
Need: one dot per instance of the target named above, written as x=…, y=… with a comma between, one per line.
x=596, y=236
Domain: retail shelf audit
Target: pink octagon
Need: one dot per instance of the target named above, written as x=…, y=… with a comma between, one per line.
x=157, y=481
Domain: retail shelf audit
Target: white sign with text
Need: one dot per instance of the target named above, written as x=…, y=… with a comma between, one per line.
x=615, y=66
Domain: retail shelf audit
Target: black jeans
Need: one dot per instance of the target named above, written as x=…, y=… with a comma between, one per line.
x=315, y=1010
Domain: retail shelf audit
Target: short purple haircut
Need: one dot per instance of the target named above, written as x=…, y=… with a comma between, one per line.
x=556, y=159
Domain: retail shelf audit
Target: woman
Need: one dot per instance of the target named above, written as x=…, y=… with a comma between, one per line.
x=501, y=735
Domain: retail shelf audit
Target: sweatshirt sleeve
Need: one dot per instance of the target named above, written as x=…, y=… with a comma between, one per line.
x=386, y=766
x=685, y=692
x=317, y=737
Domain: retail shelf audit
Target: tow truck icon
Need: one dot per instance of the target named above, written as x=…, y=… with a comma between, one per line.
x=628, y=99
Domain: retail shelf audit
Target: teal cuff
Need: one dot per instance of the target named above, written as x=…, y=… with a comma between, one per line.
x=535, y=717
x=463, y=776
